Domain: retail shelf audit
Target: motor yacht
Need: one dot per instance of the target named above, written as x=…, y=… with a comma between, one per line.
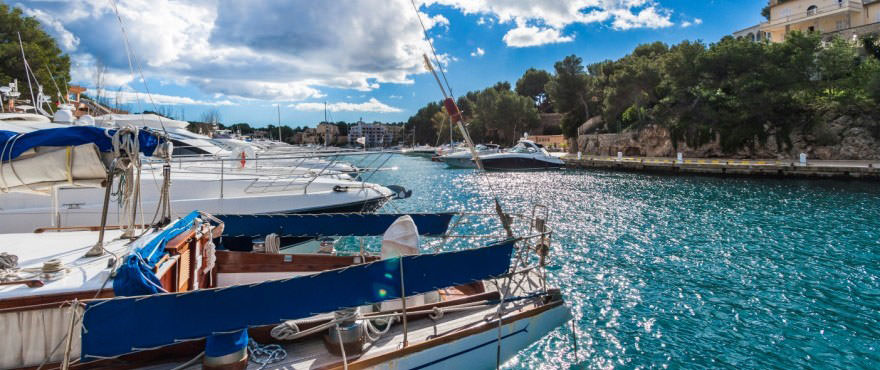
x=217, y=187
x=526, y=155
x=465, y=159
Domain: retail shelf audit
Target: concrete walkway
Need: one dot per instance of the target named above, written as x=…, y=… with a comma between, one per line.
x=734, y=167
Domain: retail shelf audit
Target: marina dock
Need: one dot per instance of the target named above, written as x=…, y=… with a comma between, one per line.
x=867, y=170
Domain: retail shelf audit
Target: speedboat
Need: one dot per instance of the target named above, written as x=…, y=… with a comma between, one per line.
x=465, y=159
x=526, y=155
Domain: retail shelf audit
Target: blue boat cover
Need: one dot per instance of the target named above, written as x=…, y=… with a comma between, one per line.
x=14, y=143
x=135, y=276
x=117, y=326
x=338, y=224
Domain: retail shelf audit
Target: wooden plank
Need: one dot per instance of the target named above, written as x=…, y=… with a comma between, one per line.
x=181, y=241
x=232, y=262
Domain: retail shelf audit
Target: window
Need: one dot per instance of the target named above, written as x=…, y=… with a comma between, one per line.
x=812, y=10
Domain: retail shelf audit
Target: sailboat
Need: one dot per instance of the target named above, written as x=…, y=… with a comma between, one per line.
x=169, y=294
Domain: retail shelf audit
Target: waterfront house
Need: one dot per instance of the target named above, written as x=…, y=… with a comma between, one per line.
x=847, y=18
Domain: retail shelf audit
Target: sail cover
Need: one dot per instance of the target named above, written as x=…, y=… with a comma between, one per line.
x=15, y=144
x=136, y=276
x=117, y=326
x=35, y=161
x=339, y=224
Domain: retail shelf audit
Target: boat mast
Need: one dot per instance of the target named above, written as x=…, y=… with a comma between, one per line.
x=279, y=122
x=325, y=121
x=27, y=70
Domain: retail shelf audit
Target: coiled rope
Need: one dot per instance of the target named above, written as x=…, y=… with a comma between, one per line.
x=8, y=267
x=265, y=354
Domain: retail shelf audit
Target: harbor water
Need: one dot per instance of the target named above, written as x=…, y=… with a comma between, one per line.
x=697, y=272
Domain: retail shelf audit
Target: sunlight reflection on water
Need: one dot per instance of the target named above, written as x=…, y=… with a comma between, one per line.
x=690, y=271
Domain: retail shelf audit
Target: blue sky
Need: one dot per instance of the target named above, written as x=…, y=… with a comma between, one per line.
x=362, y=57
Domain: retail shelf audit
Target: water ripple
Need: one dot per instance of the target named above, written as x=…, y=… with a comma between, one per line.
x=663, y=271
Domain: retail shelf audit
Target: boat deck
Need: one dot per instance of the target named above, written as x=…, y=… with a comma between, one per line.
x=81, y=274
x=311, y=353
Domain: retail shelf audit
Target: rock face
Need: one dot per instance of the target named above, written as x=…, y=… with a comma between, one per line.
x=843, y=137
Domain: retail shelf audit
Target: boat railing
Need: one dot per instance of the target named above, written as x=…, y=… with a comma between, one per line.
x=286, y=172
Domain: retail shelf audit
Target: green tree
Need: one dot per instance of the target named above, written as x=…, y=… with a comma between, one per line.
x=421, y=124
x=567, y=91
x=43, y=54
x=871, y=45
x=531, y=84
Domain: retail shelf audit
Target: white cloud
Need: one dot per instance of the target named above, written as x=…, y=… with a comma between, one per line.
x=525, y=36
x=478, y=53
x=540, y=22
x=372, y=105
x=131, y=97
x=649, y=17
x=281, y=50
x=687, y=23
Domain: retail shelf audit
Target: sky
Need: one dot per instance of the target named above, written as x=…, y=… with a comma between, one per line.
x=250, y=59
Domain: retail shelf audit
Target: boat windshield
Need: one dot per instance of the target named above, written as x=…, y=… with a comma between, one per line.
x=522, y=148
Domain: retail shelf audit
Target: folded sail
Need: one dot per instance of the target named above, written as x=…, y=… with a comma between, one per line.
x=75, y=166
x=35, y=161
x=16, y=144
x=118, y=326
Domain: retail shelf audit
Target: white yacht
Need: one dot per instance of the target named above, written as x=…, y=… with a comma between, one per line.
x=188, y=144
x=212, y=187
x=465, y=159
x=526, y=155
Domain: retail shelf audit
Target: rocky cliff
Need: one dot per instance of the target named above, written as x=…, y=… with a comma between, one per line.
x=838, y=138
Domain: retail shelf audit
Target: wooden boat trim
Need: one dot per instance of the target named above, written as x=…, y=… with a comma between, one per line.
x=247, y=262
x=43, y=301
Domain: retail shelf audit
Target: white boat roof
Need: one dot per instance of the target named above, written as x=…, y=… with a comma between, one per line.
x=29, y=117
x=141, y=120
x=83, y=274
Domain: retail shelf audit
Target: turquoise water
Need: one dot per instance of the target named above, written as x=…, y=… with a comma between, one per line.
x=694, y=272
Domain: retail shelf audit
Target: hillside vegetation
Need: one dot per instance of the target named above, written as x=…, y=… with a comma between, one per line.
x=735, y=91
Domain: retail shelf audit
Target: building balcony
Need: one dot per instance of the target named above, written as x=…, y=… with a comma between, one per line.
x=814, y=13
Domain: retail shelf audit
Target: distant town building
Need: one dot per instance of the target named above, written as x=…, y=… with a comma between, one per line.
x=375, y=134
x=846, y=18
x=753, y=33
x=310, y=136
x=329, y=134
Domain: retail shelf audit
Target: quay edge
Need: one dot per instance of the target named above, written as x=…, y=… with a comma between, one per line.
x=735, y=168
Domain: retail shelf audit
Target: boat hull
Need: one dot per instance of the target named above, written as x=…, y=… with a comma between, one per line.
x=460, y=162
x=420, y=154
x=520, y=163
x=479, y=350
